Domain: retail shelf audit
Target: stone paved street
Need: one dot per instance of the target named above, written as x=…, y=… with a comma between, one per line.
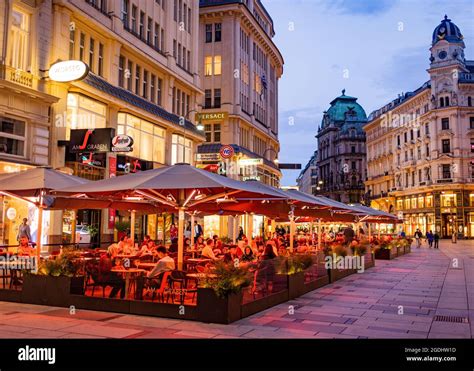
x=396, y=299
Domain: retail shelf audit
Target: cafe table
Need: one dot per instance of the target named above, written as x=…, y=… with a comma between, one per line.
x=127, y=273
x=146, y=265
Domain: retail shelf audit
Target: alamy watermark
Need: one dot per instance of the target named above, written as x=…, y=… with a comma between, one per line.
x=345, y=262
x=13, y=262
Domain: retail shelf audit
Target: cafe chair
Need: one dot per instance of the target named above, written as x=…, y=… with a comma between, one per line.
x=162, y=289
x=92, y=280
x=178, y=281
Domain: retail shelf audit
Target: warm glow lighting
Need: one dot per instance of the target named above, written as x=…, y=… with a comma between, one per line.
x=133, y=198
x=189, y=197
x=200, y=127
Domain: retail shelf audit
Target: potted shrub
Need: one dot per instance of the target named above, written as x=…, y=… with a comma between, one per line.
x=295, y=270
x=335, y=258
x=407, y=245
x=54, y=280
x=220, y=297
x=385, y=251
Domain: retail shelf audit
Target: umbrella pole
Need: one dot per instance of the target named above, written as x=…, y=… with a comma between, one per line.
x=368, y=230
x=234, y=229
x=180, y=237
x=292, y=232
x=39, y=231
x=132, y=227
x=73, y=227
x=192, y=230
x=320, y=235
x=378, y=227
x=250, y=228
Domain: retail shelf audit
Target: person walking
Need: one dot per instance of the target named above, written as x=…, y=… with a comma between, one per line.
x=24, y=230
x=436, y=240
x=430, y=237
x=198, y=232
x=418, y=237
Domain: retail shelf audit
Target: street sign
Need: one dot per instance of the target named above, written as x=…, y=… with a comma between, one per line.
x=226, y=151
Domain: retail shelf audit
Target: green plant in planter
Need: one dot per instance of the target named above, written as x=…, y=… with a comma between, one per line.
x=299, y=263
x=122, y=226
x=361, y=249
x=339, y=250
x=66, y=264
x=229, y=279
x=226, y=240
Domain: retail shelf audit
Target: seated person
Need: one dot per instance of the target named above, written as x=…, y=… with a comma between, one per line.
x=24, y=248
x=231, y=256
x=164, y=264
x=128, y=248
x=121, y=244
x=248, y=255
x=147, y=249
x=109, y=277
x=113, y=250
x=145, y=241
x=199, y=245
x=207, y=250
x=218, y=248
x=174, y=246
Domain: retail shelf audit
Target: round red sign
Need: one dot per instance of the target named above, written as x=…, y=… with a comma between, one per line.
x=226, y=151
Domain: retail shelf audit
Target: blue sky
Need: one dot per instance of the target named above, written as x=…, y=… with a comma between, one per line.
x=382, y=44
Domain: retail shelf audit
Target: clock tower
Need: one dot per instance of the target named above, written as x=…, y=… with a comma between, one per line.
x=447, y=62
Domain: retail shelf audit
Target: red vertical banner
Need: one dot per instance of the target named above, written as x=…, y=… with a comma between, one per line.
x=112, y=173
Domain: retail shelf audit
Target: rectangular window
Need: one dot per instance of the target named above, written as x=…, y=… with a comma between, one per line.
x=183, y=103
x=156, y=41
x=148, y=30
x=420, y=176
x=180, y=10
x=217, y=65
x=101, y=60
x=446, y=169
x=208, y=132
x=446, y=145
x=158, y=92
x=353, y=165
x=398, y=140
x=472, y=145
x=419, y=153
x=188, y=64
x=427, y=129
x=174, y=49
x=175, y=11
x=162, y=39
x=217, y=98
x=19, y=46
x=137, y=80
x=145, y=84
x=178, y=60
x=125, y=6
x=471, y=122
x=208, y=66
x=72, y=43
x=152, y=88
x=445, y=123
x=12, y=137
x=217, y=32
x=189, y=20
x=208, y=98
x=149, y=140
x=128, y=75
x=180, y=149
x=178, y=101
x=217, y=132
x=134, y=18
x=405, y=137
x=173, y=97
x=141, y=32
x=208, y=33
x=82, y=45
x=91, y=53
x=121, y=71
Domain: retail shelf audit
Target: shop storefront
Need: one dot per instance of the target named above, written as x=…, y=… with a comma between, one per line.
x=445, y=212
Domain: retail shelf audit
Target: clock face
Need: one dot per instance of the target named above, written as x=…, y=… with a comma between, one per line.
x=442, y=54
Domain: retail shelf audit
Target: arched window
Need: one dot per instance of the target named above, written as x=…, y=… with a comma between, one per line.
x=441, y=102
x=447, y=101
x=469, y=101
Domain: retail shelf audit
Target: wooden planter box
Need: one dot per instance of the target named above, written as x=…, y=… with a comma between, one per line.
x=49, y=290
x=316, y=284
x=407, y=249
x=384, y=254
x=337, y=274
x=212, y=309
x=295, y=285
x=400, y=250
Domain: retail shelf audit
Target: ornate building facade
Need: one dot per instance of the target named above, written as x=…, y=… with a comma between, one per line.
x=341, y=151
x=420, y=147
x=240, y=67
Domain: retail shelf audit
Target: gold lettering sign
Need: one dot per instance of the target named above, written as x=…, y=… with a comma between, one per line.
x=211, y=116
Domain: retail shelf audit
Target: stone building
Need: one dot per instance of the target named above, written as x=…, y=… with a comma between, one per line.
x=341, y=151
x=420, y=146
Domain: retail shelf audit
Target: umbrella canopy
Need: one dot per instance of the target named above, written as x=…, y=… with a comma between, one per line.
x=375, y=216
x=181, y=185
x=32, y=181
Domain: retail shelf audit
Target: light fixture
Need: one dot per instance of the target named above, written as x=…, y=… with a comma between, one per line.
x=133, y=198
x=276, y=161
x=226, y=199
x=200, y=127
x=199, y=196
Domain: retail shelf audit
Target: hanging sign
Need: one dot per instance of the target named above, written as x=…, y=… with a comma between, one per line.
x=226, y=151
x=67, y=71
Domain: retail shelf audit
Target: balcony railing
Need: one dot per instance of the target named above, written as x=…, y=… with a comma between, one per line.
x=17, y=76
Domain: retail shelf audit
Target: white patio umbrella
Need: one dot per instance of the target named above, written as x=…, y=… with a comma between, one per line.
x=37, y=182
